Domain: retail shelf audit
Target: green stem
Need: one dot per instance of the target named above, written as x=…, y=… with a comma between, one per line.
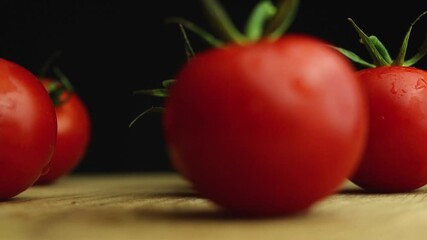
x=56, y=89
x=261, y=13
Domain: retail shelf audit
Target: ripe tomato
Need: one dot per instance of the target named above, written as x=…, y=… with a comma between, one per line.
x=395, y=159
x=266, y=128
x=396, y=155
x=74, y=134
x=28, y=129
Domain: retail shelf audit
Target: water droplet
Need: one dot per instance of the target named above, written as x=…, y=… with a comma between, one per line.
x=421, y=83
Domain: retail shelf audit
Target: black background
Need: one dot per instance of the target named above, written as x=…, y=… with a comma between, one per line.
x=111, y=48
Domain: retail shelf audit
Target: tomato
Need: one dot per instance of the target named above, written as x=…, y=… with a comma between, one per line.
x=74, y=134
x=263, y=124
x=395, y=159
x=28, y=129
x=266, y=127
x=396, y=155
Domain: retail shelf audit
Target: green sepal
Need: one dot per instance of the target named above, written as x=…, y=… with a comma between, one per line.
x=157, y=92
x=222, y=22
x=420, y=54
x=63, y=79
x=381, y=49
x=285, y=15
x=263, y=11
x=354, y=57
x=149, y=110
x=55, y=91
x=422, y=51
x=168, y=83
x=206, y=36
x=189, y=52
x=265, y=21
x=371, y=46
x=379, y=53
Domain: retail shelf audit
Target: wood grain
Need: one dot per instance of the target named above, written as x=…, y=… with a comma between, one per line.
x=164, y=206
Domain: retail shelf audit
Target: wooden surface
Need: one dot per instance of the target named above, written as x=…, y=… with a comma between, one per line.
x=163, y=206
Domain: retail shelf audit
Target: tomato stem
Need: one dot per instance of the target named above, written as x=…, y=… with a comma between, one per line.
x=58, y=86
x=261, y=13
x=266, y=20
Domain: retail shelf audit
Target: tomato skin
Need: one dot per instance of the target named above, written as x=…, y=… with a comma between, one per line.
x=27, y=129
x=74, y=135
x=267, y=128
x=396, y=154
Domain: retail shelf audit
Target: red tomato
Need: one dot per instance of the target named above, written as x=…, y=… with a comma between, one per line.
x=395, y=159
x=396, y=156
x=28, y=129
x=74, y=134
x=266, y=128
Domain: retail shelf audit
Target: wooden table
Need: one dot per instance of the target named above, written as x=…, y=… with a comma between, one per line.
x=160, y=206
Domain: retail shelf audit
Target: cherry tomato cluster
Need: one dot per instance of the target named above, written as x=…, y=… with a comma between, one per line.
x=262, y=124
x=266, y=123
x=41, y=139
